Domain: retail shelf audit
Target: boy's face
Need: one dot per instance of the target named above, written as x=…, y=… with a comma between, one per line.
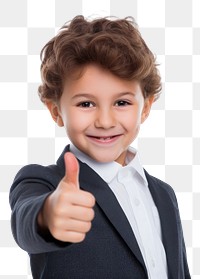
x=101, y=113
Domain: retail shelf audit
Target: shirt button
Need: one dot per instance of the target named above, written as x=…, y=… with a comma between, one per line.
x=137, y=202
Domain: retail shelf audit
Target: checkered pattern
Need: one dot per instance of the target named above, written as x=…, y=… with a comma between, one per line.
x=169, y=141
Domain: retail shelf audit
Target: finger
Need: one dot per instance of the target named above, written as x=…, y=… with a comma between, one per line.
x=83, y=198
x=80, y=213
x=69, y=224
x=77, y=226
x=71, y=169
x=73, y=237
x=69, y=236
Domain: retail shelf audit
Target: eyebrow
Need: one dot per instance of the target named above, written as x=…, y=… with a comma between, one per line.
x=79, y=95
x=88, y=95
x=126, y=93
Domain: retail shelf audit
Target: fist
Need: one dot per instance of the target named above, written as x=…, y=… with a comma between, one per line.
x=68, y=212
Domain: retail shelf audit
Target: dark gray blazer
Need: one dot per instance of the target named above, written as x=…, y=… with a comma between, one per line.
x=110, y=249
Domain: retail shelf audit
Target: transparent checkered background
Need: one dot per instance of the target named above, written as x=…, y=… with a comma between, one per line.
x=169, y=141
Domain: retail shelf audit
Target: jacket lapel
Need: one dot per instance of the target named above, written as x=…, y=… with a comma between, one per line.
x=105, y=198
x=169, y=218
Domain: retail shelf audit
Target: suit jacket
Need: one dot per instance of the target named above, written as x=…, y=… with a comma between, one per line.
x=110, y=249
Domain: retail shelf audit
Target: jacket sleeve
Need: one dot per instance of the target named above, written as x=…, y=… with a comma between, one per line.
x=28, y=192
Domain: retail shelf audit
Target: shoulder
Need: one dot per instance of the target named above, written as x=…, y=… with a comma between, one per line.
x=38, y=174
x=34, y=170
x=35, y=173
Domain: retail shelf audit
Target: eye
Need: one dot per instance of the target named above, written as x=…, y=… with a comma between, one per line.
x=86, y=105
x=122, y=103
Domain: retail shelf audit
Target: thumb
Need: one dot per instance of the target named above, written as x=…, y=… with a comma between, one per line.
x=71, y=169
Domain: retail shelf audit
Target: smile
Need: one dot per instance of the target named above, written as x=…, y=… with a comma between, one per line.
x=106, y=139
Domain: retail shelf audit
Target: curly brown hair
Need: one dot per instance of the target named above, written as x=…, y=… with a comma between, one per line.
x=114, y=44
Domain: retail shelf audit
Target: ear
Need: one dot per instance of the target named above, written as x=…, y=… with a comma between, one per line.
x=147, y=108
x=55, y=113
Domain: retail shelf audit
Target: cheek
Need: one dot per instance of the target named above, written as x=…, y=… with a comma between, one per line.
x=132, y=126
x=134, y=129
x=71, y=123
x=76, y=122
x=132, y=121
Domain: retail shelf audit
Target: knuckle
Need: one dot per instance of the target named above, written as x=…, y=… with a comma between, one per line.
x=88, y=214
x=88, y=226
x=91, y=200
x=77, y=237
x=58, y=211
x=91, y=214
x=81, y=237
x=55, y=233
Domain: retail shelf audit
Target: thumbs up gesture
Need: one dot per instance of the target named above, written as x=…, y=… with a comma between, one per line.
x=68, y=212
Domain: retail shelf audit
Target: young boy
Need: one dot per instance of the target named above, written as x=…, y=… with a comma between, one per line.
x=97, y=213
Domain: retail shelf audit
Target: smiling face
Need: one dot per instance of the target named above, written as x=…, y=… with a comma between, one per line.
x=101, y=113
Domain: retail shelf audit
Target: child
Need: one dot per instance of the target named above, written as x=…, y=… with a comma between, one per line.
x=97, y=213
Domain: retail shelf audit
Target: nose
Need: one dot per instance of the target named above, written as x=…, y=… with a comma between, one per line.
x=105, y=119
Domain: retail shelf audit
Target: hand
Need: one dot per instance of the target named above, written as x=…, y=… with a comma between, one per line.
x=68, y=212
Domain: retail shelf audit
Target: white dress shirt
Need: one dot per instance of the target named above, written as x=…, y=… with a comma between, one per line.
x=130, y=186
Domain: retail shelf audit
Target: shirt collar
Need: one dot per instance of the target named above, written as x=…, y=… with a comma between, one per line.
x=133, y=160
x=108, y=171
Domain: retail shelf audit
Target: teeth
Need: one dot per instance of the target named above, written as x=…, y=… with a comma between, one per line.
x=105, y=138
